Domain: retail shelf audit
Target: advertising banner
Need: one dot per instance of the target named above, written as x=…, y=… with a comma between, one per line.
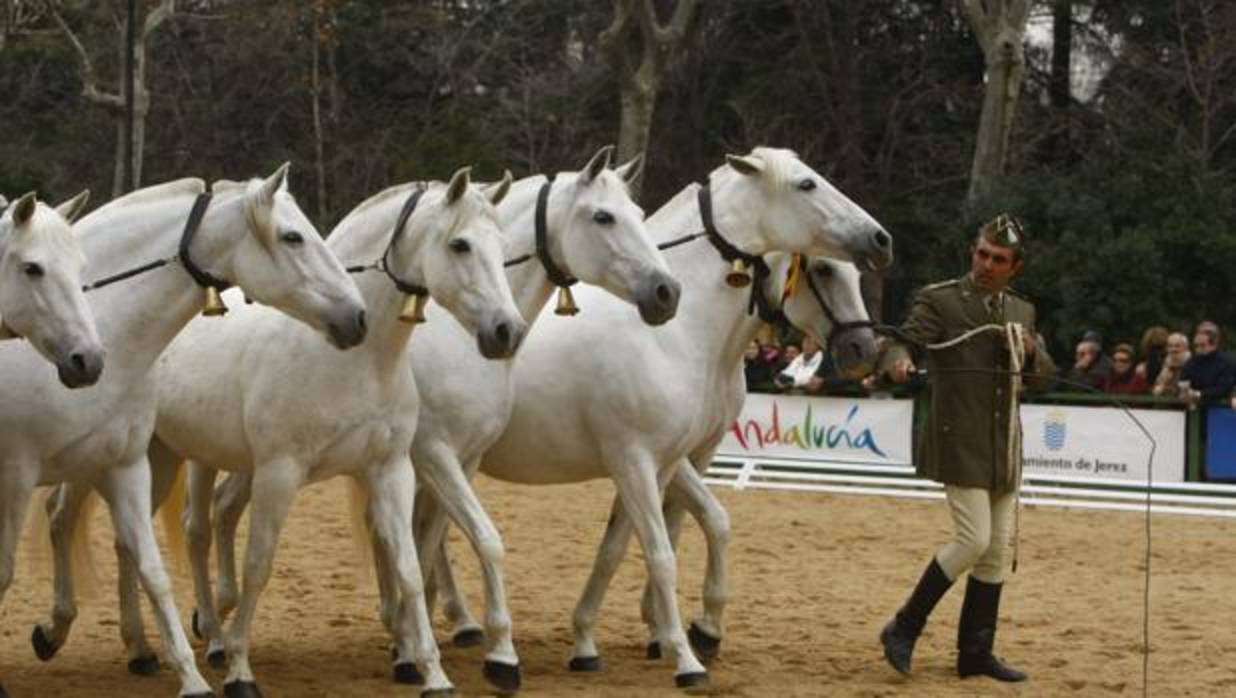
x=847, y=430
x=1103, y=442
x=1220, y=444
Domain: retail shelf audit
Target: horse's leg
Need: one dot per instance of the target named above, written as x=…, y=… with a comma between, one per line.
x=613, y=547
x=63, y=505
x=640, y=490
x=688, y=492
x=127, y=492
x=16, y=485
x=199, y=486
x=465, y=631
x=446, y=478
x=391, y=487
x=275, y=484
x=230, y=500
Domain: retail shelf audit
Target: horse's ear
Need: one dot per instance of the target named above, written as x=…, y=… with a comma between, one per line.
x=4, y=203
x=597, y=164
x=24, y=209
x=631, y=170
x=459, y=185
x=73, y=208
x=274, y=183
x=497, y=192
x=745, y=165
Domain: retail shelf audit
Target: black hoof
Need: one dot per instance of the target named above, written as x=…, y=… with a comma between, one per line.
x=204, y=694
x=241, y=689
x=589, y=664
x=217, y=659
x=406, y=672
x=695, y=681
x=472, y=637
x=504, y=677
x=43, y=648
x=197, y=629
x=653, y=651
x=145, y=665
x=438, y=693
x=706, y=646
x=3, y=693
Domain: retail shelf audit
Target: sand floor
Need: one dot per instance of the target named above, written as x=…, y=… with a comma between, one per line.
x=813, y=578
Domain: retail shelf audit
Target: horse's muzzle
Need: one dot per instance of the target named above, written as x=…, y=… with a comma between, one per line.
x=501, y=336
x=81, y=367
x=658, y=299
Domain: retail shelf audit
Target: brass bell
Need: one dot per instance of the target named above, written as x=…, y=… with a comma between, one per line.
x=566, y=302
x=414, y=309
x=738, y=276
x=214, y=303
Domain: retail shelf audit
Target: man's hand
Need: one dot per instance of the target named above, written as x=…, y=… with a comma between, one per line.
x=901, y=370
x=1029, y=343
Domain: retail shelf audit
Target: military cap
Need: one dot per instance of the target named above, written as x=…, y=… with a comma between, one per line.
x=1004, y=230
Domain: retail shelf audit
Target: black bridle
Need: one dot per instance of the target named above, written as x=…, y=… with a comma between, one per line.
x=383, y=263
x=557, y=275
x=760, y=272
x=200, y=276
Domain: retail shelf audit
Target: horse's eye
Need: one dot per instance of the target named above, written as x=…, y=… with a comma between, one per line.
x=460, y=245
x=292, y=237
x=603, y=217
x=32, y=270
x=807, y=184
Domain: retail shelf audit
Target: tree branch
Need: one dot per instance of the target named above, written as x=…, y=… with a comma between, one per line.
x=90, y=84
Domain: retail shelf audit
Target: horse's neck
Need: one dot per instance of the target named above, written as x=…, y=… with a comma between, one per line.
x=363, y=241
x=715, y=314
x=530, y=284
x=139, y=316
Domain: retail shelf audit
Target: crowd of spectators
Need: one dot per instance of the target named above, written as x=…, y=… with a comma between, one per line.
x=1163, y=363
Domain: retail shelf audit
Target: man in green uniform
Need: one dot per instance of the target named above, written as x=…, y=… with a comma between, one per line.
x=966, y=443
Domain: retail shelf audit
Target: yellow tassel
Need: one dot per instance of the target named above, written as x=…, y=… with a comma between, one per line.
x=566, y=302
x=738, y=277
x=214, y=303
x=791, y=276
x=414, y=309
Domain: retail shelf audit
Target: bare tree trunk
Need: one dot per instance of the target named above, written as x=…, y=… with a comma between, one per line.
x=316, y=83
x=114, y=102
x=1000, y=26
x=642, y=49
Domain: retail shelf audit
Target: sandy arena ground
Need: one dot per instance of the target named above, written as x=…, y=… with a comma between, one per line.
x=813, y=578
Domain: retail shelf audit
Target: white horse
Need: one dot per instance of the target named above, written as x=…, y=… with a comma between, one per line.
x=250, y=234
x=679, y=384
x=226, y=401
x=41, y=295
x=591, y=231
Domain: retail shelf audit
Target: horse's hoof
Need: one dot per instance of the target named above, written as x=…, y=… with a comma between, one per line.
x=654, y=650
x=197, y=629
x=3, y=693
x=692, y=682
x=241, y=689
x=203, y=694
x=589, y=664
x=145, y=665
x=706, y=646
x=406, y=672
x=471, y=637
x=438, y=693
x=504, y=677
x=217, y=659
x=43, y=647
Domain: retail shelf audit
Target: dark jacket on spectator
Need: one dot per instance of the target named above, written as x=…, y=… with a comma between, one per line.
x=1213, y=375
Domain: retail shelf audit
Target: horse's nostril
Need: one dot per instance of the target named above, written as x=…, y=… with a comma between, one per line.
x=664, y=294
x=882, y=238
x=360, y=320
x=79, y=362
x=503, y=332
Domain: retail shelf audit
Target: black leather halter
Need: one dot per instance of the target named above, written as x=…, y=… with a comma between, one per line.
x=837, y=325
x=200, y=276
x=383, y=263
x=556, y=275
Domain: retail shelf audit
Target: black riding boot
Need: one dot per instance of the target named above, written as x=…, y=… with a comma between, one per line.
x=976, y=634
x=902, y=631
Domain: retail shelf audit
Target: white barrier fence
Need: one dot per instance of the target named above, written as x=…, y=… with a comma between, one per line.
x=849, y=446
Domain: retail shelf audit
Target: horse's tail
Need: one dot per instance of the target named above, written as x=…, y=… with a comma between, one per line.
x=172, y=513
x=358, y=505
x=37, y=541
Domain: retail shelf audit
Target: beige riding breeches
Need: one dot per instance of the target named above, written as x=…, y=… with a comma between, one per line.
x=983, y=523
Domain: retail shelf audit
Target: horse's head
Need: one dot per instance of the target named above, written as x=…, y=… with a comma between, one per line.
x=284, y=263
x=41, y=287
x=771, y=200
x=596, y=233
x=454, y=244
x=825, y=302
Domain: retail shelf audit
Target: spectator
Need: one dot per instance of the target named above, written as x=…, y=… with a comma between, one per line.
x=1152, y=349
x=1167, y=383
x=1123, y=377
x=1090, y=367
x=1209, y=372
x=827, y=381
x=802, y=368
x=758, y=369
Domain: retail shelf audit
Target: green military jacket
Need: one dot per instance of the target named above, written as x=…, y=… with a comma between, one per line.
x=965, y=440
